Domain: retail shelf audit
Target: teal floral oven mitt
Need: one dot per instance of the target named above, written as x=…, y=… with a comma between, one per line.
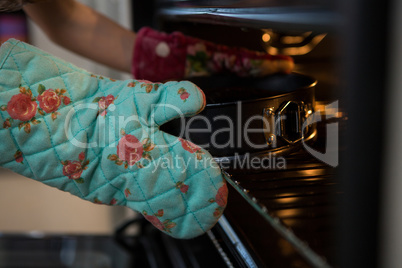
x=99, y=139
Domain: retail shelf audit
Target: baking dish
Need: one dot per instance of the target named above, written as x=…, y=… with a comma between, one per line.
x=250, y=115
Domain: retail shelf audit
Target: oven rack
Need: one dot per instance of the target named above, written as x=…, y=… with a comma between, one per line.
x=300, y=203
x=277, y=222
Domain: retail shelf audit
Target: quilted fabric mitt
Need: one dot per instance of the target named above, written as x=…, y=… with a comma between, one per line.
x=161, y=56
x=99, y=139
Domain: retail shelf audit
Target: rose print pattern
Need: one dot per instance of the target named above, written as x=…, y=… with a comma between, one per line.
x=21, y=107
x=204, y=60
x=104, y=103
x=221, y=199
x=81, y=156
x=96, y=76
x=166, y=225
x=66, y=100
x=148, y=146
x=50, y=100
x=102, y=78
x=18, y=157
x=192, y=148
x=99, y=202
x=127, y=192
x=130, y=151
x=58, y=149
x=220, y=61
x=73, y=169
x=201, y=62
x=182, y=187
x=7, y=123
x=131, y=84
x=183, y=94
x=197, y=60
x=147, y=85
x=189, y=146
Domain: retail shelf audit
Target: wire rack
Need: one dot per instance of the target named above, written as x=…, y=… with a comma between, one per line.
x=287, y=216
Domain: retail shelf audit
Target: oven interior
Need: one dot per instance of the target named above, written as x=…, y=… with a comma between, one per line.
x=278, y=217
x=313, y=213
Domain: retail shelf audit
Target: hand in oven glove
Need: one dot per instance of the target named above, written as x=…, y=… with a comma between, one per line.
x=159, y=56
x=99, y=139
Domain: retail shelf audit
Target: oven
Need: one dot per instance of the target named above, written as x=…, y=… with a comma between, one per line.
x=324, y=209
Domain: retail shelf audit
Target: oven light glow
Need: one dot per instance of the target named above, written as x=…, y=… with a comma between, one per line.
x=288, y=213
x=266, y=37
x=287, y=200
x=292, y=39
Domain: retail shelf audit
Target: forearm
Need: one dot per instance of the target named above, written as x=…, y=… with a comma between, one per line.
x=84, y=31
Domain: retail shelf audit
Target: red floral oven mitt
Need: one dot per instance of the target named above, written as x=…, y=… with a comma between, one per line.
x=99, y=139
x=159, y=56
